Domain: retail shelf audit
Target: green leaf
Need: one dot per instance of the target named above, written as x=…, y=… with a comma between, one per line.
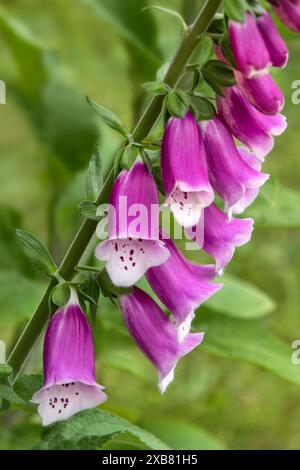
x=247, y=340
x=90, y=429
x=94, y=179
x=93, y=291
x=8, y=394
x=277, y=206
x=170, y=12
x=180, y=435
x=36, y=252
x=27, y=385
x=218, y=75
x=18, y=296
x=236, y=10
x=155, y=88
x=240, y=299
x=88, y=210
x=109, y=118
x=124, y=441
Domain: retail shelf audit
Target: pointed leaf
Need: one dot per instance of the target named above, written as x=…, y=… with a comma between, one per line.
x=109, y=118
x=36, y=252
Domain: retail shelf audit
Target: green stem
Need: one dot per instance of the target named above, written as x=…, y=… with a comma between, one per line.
x=36, y=325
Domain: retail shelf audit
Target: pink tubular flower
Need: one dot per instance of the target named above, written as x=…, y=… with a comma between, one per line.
x=184, y=170
x=262, y=92
x=133, y=245
x=69, y=366
x=223, y=235
x=249, y=50
x=276, y=46
x=289, y=13
x=246, y=123
x=155, y=335
x=182, y=287
x=231, y=176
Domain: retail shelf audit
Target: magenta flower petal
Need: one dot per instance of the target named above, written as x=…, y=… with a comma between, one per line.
x=276, y=46
x=155, y=334
x=230, y=175
x=69, y=366
x=245, y=38
x=263, y=92
x=222, y=235
x=184, y=170
x=133, y=245
x=246, y=123
x=289, y=13
x=133, y=191
x=182, y=287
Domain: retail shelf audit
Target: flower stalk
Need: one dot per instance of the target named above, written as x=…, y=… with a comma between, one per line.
x=67, y=269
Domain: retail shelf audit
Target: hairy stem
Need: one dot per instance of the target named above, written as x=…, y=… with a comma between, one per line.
x=37, y=323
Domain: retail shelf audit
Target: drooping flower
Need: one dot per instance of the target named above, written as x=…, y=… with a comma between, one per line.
x=276, y=46
x=184, y=170
x=249, y=50
x=182, y=286
x=155, y=334
x=69, y=366
x=133, y=245
x=262, y=92
x=289, y=13
x=222, y=235
x=231, y=176
x=246, y=123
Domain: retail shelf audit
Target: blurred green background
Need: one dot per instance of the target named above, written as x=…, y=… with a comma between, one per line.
x=237, y=391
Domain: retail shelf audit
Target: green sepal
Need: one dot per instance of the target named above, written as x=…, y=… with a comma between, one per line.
x=218, y=75
x=129, y=156
x=202, y=107
x=88, y=210
x=107, y=287
x=177, y=103
x=236, y=10
x=156, y=88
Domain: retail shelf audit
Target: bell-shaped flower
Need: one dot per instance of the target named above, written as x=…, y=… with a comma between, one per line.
x=249, y=50
x=184, y=170
x=262, y=92
x=289, y=13
x=133, y=245
x=275, y=44
x=155, y=334
x=246, y=123
x=182, y=286
x=69, y=366
x=222, y=235
x=231, y=176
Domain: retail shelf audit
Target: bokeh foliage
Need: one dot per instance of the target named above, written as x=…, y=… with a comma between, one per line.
x=239, y=389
